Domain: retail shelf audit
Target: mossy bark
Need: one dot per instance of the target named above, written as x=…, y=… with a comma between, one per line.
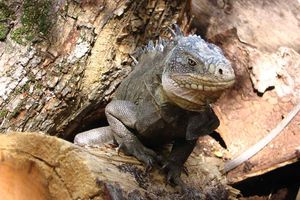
x=62, y=60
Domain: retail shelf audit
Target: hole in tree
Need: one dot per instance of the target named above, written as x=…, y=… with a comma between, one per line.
x=221, y=71
x=89, y=119
x=260, y=94
x=219, y=139
x=280, y=184
x=101, y=122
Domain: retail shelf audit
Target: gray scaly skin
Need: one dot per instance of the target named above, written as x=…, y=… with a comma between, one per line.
x=166, y=99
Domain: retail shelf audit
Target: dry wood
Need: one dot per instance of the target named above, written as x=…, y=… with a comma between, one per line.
x=263, y=142
x=260, y=39
x=37, y=166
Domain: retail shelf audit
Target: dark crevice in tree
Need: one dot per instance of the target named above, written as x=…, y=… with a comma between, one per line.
x=216, y=136
x=282, y=181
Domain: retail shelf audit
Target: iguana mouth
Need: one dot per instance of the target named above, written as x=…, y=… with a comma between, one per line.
x=195, y=82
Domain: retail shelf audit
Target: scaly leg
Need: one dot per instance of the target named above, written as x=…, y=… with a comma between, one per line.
x=174, y=165
x=121, y=116
x=95, y=137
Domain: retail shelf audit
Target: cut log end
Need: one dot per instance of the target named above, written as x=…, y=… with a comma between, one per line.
x=21, y=179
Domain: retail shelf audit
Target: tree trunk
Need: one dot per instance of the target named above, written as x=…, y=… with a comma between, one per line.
x=62, y=60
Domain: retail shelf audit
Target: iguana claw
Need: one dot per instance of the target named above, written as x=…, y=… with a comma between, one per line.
x=142, y=153
x=173, y=171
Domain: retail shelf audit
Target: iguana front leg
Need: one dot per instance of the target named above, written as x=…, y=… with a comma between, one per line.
x=121, y=116
x=201, y=123
x=174, y=165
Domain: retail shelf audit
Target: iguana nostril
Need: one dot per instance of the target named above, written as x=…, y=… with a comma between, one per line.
x=221, y=71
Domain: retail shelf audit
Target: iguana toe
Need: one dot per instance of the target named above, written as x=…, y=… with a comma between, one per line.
x=173, y=171
x=140, y=152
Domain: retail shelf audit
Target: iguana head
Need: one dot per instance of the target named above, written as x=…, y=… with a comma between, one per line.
x=195, y=72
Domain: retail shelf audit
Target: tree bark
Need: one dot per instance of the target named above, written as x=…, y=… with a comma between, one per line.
x=62, y=60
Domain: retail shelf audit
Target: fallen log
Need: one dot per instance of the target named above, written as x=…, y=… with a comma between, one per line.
x=37, y=166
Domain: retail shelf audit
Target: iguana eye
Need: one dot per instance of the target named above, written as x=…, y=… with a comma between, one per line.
x=191, y=62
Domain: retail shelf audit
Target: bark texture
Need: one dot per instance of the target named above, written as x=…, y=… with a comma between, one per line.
x=61, y=60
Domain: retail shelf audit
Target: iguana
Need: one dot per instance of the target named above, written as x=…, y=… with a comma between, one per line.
x=166, y=99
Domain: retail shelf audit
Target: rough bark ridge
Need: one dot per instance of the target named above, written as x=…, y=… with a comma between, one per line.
x=63, y=59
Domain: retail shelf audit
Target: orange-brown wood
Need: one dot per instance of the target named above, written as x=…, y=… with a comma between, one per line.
x=21, y=180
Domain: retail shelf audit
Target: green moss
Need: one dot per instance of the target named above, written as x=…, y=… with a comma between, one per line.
x=36, y=15
x=22, y=35
x=4, y=29
x=26, y=87
x=3, y=113
x=18, y=91
x=16, y=112
x=35, y=20
x=5, y=12
x=38, y=86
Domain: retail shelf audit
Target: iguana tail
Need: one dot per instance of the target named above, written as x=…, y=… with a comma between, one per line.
x=95, y=137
